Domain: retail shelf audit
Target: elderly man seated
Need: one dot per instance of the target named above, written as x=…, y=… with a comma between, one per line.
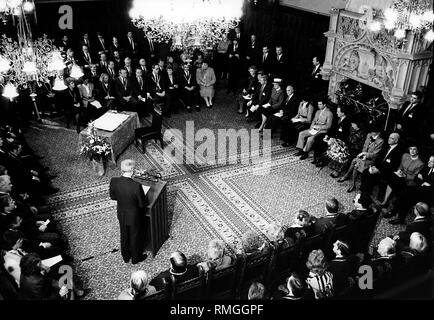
x=321, y=124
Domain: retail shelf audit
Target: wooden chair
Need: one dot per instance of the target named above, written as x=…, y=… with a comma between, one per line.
x=191, y=289
x=163, y=294
x=221, y=284
x=253, y=269
x=363, y=232
x=283, y=262
x=142, y=135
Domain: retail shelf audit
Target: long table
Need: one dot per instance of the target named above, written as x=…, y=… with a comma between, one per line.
x=120, y=138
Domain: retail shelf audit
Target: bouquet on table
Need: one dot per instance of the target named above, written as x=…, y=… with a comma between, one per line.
x=95, y=147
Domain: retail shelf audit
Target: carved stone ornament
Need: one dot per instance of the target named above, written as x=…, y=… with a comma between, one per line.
x=363, y=63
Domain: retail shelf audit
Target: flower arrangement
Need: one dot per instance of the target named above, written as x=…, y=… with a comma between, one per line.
x=95, y=147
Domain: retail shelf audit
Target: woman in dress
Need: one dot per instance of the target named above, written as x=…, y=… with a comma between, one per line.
x=341, y=153
x=205, y=77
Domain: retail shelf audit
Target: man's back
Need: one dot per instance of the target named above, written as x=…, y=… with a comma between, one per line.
x=130, y=199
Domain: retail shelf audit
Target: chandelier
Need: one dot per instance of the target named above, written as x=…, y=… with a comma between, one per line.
x=187, y=24
x=410, y=15
x=24, y=61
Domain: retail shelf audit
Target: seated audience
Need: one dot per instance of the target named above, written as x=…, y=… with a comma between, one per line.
x=293, y=124
x=139, y=287
x=273, y=106
x=387, y=258
x=319, y=280
x=252, y=244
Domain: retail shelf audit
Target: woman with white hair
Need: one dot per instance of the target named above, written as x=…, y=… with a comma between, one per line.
x=216, y=256
x=139, y=287
x=276, y=234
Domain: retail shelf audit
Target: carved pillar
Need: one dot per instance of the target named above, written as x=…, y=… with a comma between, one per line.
x=331, y=41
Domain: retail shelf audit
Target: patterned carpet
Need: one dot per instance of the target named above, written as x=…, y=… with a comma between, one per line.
x=205, y=201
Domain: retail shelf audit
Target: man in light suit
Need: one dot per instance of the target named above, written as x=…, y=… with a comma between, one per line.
x=131, y=204
x=321, y=124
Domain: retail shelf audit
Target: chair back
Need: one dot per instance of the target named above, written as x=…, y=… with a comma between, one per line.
x=254, y=268
x=283, y=262
x=162, y=294
x=363, y=232
x=221, y=284
x=191, y=289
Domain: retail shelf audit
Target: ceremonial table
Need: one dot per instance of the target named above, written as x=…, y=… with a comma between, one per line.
x=121, y=137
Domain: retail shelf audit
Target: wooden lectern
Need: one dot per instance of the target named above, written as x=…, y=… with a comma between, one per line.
x=156, y=212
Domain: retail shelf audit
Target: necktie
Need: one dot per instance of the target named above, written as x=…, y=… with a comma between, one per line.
x=132, y=43
x=410, y=106
x=265, y=57
x=151, y=45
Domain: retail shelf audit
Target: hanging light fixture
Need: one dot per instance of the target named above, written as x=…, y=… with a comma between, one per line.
x=187, y=23
x=10, y=91
x=76, y=72
x=409, y=15
x=59, y=85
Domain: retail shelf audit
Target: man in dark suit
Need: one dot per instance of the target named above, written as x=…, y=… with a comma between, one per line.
x=266, y=60
x=140, y=91
x=410, y=116
x=148, y=48
x=85, y=42
x=156, y=87
x=290, y=110
x=124, y=91
x=189, y=88
x=385, y=164
x=132, y=48
x=260, y=97
x=422, y=223
x=111, y=70
x=102, y=64
x=280, y=64
x=86, y=59
x=339, y=130
x=252, y=51
x=172, y=92
x=234, y=58
x=131, y=204
x=101, y=45
x=332, y=219
x=362, y=207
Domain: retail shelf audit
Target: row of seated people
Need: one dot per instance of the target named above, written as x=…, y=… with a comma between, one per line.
x=342, y=238
x=341, y=141
x=28, y=232
x=135, y=90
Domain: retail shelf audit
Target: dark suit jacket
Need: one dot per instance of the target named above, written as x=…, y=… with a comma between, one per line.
x=70, y=98
x=290, y=108
x=280, y=67
x=268, y=64
x=191, y=273
x=85, y=61
x=156, y=85
x=37, y=287
x=251, y=84
x=147, y=52
x=329, y=222
x=98, y=47
x=121, y=90
x=411, y=120
x=262, y=97
x=388, y=163
x=234, y=62
x=254, y=52
x=102, y=91
x=341, y=130
x=187, y=81
x=129, y=51
x=130, y=200
x=139, y=89
x=359, y=214
x=421, y=225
